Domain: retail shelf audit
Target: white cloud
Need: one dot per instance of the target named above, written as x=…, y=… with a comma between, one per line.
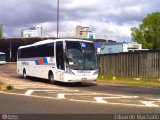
x=75, y=4
x=112, y=17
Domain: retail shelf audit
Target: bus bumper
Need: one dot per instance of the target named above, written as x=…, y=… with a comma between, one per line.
x=75, y=78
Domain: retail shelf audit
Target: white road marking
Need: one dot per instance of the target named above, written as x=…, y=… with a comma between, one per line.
x=108, y=103
x=85, y=101
x=149, y=103
x=66, y=90
x=62, y=95
x=119, y=97
x=154, y=99
x=30, y=96
x=100, y=99
x=53, y=90
x=10, y=80
x=29, y=92
x=24, y=84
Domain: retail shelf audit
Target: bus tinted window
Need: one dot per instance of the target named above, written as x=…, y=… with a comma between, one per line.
x=2, y=57
x=81, y=55
x=60, y=55
x=45, y=50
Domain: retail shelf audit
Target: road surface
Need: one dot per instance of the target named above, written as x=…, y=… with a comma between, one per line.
x=37, y=96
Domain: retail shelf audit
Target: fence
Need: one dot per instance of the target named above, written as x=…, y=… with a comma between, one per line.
x=131, y=64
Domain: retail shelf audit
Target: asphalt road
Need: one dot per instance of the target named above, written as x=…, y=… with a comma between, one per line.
x=25, y=107
x=9, y=71
x=32, y=105
x=37, y=96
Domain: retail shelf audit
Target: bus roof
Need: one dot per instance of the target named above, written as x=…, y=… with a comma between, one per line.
x=50, y=41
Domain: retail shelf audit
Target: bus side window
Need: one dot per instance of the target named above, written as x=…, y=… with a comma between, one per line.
x=19, y=53
x=60, y=55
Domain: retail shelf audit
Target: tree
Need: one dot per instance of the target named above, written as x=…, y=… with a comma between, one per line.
x=148, y=33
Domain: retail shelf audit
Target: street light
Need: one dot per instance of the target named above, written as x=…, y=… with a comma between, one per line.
x=57, y=18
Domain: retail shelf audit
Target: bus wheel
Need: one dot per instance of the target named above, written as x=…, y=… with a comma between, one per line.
x=51, y=77
x=24, y=74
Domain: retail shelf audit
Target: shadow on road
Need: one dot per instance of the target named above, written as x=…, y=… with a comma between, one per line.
x=78, y=84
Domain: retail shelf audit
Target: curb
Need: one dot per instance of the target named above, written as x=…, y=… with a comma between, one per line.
x=5, y=87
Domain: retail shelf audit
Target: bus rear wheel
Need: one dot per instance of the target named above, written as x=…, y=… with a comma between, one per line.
x=51, y=77
x=24, y=74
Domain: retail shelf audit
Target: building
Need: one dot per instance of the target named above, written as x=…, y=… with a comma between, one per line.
x=117, y=47
x=84, y=32
x=35, y=31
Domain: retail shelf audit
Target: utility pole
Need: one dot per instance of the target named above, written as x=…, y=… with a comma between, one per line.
x=10, y=52
x=57, y=18
x=1, y=30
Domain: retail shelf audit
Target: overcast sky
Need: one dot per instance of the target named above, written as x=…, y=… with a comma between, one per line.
x=106, y=18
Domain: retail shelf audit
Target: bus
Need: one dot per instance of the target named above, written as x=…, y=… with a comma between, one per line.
x=65, y=60
x=2, y=58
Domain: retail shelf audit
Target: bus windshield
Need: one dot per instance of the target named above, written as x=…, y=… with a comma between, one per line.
x=81, y=55
x=2, y=57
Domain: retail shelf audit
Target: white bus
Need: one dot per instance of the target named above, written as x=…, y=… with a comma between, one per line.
x=2, y=58
x=66, y=60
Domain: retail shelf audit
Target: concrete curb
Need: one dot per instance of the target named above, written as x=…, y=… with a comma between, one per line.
x=4, y=87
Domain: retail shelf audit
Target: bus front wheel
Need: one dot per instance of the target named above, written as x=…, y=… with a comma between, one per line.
x=51, y=77
x=24, y=74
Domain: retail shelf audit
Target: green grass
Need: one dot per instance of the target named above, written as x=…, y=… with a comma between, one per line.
x=144, y=82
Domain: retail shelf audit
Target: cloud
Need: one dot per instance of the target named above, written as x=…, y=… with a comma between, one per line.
x=25, y=12
x=105, y=17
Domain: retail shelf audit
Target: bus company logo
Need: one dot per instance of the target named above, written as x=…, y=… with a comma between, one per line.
x=83, y=71
x=4, y=116
x=25, y=63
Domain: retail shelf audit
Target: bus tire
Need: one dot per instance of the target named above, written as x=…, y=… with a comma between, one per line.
x=24, y=73
x=51, y=77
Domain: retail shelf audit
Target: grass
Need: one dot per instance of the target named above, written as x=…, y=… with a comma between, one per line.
x=144, y=82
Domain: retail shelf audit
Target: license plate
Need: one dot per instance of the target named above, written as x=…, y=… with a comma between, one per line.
x=83, y=79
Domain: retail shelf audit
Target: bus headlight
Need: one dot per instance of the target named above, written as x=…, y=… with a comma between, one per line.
x=96, y=72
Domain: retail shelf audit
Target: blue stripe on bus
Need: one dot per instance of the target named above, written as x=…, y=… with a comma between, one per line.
x=45, y=61
x=36, y=61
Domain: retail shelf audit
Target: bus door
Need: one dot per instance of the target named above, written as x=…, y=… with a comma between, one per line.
x=59, y=61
